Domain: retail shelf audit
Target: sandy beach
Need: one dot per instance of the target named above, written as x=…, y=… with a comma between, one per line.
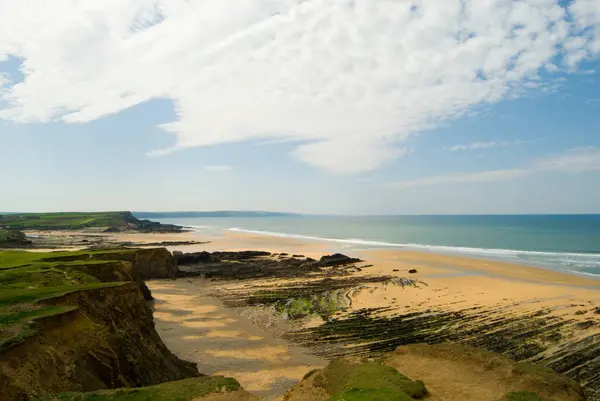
x=525, y=312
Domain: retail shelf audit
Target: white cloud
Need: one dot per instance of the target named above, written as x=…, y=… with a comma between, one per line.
x=219, y=168
x=573, y=161
x=480, y=176
x=485, y=145
x=351, y=79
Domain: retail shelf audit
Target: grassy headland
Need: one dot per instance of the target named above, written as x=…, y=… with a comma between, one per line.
x=113, y=221
x=85, y=310
x=28, y=281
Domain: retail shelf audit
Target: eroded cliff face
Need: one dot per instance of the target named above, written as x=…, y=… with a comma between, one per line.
x=107, y=340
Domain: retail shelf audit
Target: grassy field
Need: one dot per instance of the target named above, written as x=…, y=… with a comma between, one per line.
x=182, y=390
x=65, y=220
x=81, y=220
x=27, y=279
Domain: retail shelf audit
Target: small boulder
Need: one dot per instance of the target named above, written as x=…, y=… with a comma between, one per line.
x=412, y=271
x=337, y=259
x=193, y=258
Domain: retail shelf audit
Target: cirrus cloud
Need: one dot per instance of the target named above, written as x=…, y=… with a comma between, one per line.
x=219, y=168
x=576, y=160
x=351, y=79
x=486, y=145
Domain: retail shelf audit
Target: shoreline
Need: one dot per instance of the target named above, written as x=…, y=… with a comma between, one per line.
x=527, y=313
x=237, y=241
x=244, y=240
x=375, y=305
x=503, y=255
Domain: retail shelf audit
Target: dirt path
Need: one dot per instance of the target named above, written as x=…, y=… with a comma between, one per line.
x=221, y=341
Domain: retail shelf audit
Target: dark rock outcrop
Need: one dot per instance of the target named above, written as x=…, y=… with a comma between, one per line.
x=215, y=257
x=337, y=259
x=247, y=264
x=12, y=238
x=193, y=258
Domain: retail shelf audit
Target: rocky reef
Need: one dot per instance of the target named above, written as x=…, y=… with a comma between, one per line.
x=258, y=264
x=79, y=321
x=307, y=287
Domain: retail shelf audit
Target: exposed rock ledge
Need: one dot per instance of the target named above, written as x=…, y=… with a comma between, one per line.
x=103, y=338
x=443, y=372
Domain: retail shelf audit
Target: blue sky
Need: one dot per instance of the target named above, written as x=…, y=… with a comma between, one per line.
x=206, y=120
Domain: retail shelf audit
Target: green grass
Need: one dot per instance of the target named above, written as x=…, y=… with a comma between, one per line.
x=78, y=221
x=30, y=315
x=28, y=279
x=4, y=235
x=360, y=394
x=182, y=390
x=66, y=220
x=367, y=381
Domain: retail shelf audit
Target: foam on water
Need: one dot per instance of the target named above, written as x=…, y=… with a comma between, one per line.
x=579, y=263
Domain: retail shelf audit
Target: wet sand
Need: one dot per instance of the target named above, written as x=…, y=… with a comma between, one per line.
x=223, y=342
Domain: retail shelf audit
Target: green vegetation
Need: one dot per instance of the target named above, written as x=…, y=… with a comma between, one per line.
x=325, y=304
x=360, y=394
x=366, y=381
x=523, y=396
x=76, y=221
x=182, y=390
x=65, y=220
x=29, y=279
x=13, y=238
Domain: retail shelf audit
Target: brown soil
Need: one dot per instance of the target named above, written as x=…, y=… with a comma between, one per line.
x=458, y=373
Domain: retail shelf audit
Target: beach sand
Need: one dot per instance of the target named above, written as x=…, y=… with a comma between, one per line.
x=196, y=326
x=223, y=342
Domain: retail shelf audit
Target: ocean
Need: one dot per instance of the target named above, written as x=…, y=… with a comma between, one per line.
x=569, y=243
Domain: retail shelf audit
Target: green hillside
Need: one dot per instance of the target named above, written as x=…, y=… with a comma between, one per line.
x=81, y=220
x=27, y=279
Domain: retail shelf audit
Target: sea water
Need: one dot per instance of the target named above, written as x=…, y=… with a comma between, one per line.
x=568, y=243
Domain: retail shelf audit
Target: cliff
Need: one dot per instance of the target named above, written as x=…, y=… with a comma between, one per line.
x=79, y=321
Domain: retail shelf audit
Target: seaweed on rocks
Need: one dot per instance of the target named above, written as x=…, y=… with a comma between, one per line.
x=367, y=333
x=260, y=264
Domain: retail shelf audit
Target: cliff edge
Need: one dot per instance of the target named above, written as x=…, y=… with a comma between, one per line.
x=79, y=321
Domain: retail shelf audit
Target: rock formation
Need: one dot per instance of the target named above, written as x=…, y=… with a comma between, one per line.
x=95, y=334
x=448, y=372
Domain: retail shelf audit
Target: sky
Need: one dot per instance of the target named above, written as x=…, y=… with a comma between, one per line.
x=309, y=106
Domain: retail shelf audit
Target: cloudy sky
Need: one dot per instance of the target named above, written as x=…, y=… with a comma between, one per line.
x=317, y=106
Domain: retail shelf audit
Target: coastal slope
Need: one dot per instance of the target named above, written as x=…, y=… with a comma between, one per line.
x=111, y=221
x=79, y=321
